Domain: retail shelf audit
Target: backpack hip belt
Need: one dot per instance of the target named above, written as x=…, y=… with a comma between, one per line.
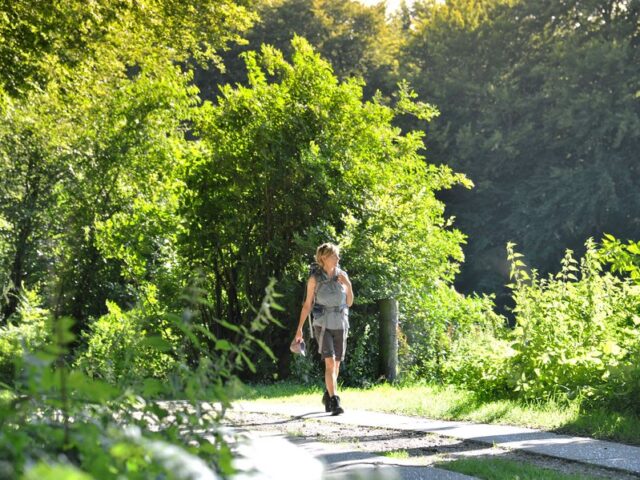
x=319, y=310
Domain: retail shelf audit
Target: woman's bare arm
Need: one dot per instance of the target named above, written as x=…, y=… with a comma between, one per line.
x=306, y=306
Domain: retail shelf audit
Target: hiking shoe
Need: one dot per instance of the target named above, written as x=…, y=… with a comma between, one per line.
x=336, y=409
x=326, y=401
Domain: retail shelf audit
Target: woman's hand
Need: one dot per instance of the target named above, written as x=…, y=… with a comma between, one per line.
x=343, y=279
x=298, y=337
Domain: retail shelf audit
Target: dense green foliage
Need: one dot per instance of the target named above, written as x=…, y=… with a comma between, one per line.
x=540, y=109
x=26, y=330
x=538, y=105
x=118, y=350
x=94, y=108
x=152, y=205
x=576, y=335
x=623, y=257
x=295, y=158
x=357, y=40
x=93, y=129
x=107, y=421
x=42, y=41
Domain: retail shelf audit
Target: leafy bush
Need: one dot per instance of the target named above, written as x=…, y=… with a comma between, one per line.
x=478, y=361
x=360, y=366
x=25, y=331
x=576, y=336
x=60, y=421
x=623, y=257
x=298, y=158
x=441, y=330
x=574, y=330
x=122, y=346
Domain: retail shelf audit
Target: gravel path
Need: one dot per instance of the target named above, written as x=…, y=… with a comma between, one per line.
x=423, y=449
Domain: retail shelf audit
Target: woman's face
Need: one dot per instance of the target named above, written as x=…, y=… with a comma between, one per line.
x=331, y=260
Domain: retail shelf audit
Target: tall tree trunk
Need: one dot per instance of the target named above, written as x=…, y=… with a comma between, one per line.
x=17, y=274
x=24, y=227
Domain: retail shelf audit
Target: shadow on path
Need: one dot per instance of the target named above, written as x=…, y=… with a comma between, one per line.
x=616, y=456
x=294, y=418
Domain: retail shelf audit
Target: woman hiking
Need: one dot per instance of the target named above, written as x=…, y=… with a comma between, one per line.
x=329, y=296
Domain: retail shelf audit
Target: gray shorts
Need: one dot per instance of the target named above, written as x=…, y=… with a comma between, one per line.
x=334, y=342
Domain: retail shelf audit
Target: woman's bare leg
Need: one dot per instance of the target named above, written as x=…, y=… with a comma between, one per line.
x=332, y=367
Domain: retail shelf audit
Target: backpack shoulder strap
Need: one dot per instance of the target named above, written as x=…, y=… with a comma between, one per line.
x=313, y=273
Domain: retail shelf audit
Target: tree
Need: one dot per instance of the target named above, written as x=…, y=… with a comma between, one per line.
x=98, y=96
x=538, y=108
x=25, y=195
x=356, y=39
x=38, y=38
x=297, y=158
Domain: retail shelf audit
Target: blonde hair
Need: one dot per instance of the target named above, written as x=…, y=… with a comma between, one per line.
x=325, y=250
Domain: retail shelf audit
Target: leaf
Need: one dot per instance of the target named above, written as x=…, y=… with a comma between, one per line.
x=223, y=345
x=206, y=332
x=634, y=248
x=611, y=348
x=157, y=343
x=265, y=348
x=151, y=387
x=228, y=325
x=46, y=471
x=90, y=389
x=247, y=361
x=275, y=306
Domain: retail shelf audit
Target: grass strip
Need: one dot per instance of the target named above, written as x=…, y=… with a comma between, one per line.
x=502, y=469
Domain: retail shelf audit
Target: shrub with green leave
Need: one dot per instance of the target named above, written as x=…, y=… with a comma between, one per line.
x=576, y=336
x=62, y=421
x=24, y=332
x=623, y=258
x=574, y=330
x=122, y=345
x=442, y=331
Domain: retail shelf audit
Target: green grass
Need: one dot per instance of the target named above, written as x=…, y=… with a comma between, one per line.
x=501, y=469
x=396, y=454
x=452, y=403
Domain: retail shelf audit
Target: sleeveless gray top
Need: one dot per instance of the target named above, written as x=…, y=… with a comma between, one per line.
x=330, y=308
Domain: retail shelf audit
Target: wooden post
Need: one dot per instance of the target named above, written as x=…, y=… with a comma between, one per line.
x=388, y=309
